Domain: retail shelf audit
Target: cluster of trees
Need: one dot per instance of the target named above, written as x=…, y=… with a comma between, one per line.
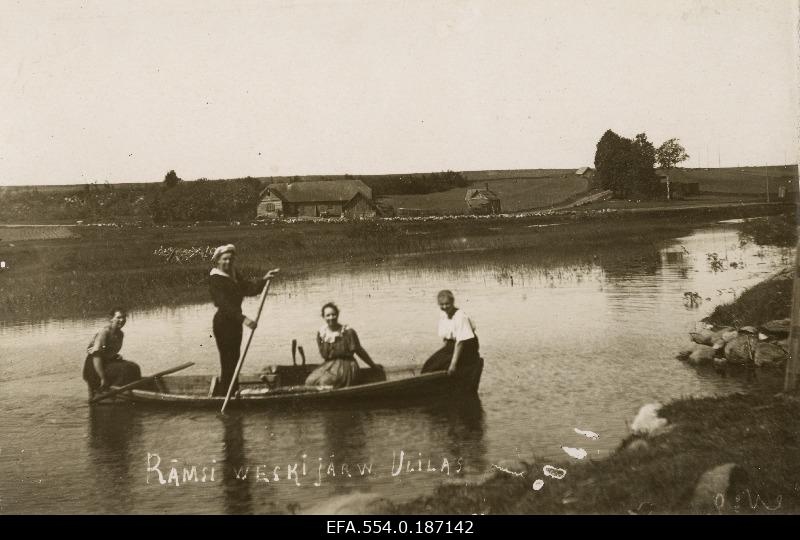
x=204, y=200
x=627, y=166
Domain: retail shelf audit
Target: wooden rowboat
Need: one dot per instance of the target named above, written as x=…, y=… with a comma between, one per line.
x=284, y=385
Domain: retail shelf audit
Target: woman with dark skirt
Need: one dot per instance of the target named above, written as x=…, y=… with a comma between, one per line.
x=228, y=290
x=338, y=345
x=104, y=367
x=460, y=353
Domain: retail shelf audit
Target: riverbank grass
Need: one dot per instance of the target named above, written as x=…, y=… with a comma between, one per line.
x=766, y=301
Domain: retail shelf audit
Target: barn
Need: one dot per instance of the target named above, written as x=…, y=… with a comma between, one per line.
x=317, y=199
x=483, y=201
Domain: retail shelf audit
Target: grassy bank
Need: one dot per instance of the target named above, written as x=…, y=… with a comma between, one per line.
x=100, y=266
x=757, y=432
x=769, y=300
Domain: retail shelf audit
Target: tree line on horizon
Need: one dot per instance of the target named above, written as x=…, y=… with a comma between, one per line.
x=176, y=200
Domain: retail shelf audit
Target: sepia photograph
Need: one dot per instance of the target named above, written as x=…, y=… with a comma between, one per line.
x=399, y=258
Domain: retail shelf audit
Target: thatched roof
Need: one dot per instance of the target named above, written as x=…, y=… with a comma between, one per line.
x=319, y=191
x=487, y=194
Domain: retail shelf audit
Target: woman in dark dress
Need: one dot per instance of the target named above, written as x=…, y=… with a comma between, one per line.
x=338, y=345
x=104, y=367
x=228, y=290
x=460, y=353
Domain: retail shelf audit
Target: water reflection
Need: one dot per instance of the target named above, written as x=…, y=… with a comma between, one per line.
x=238, y=499
x=460, y=426
x=114, y=436
x=346, y=440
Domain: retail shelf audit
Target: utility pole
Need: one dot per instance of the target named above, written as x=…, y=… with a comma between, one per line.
x=793, y=363
x=766, y=177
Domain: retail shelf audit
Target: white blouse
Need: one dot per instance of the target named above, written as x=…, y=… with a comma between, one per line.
x=459, y=328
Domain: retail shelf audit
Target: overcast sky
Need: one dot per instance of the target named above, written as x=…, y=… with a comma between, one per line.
x=125, y=91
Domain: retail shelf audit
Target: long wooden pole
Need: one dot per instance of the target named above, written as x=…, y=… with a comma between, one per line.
x=140, y=382
x=793, y=363
x=246, y=347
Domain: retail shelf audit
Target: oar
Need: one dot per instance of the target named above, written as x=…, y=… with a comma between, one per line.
x=246, y=347
x=140, y=382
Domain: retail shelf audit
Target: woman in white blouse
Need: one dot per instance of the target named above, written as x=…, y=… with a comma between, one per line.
x=461, y=348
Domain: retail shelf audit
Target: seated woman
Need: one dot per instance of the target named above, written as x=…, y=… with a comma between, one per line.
x=104, y=367
x=337, y=345
x=460, y=352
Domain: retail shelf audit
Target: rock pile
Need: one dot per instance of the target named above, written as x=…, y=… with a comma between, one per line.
x=766, y=346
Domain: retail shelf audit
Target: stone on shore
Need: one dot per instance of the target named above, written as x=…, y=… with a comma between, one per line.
x=716, y=487
x=741, y=350
x=702, y=355
x=683, y=354
x=778, y=327
x=769, y=354
x=703, y=337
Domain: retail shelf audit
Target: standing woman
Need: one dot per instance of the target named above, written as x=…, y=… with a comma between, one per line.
x=104, y=367
x=338, y=345
x=460, y=352
x=228, y=290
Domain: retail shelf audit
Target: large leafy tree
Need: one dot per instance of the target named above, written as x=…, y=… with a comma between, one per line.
x=626, y=166
x=670, y=154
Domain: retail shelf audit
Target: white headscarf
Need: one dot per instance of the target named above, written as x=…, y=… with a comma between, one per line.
x=221, y=250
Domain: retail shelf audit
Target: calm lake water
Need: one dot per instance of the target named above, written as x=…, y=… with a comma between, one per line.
x=570, y=341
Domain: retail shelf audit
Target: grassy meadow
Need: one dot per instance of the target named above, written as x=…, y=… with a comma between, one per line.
x=741, y=180
x=516, y=193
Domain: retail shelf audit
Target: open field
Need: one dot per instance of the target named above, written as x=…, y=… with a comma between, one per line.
x=704, y=199
x=744, y=180
x=516, y=193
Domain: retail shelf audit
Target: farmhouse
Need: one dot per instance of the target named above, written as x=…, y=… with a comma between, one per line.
x=484, y=201
x=586, y=172
x=327, y=198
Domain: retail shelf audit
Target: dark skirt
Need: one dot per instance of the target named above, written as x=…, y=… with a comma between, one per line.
x=440, y=360
x=118, y=372
x=228, y=335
